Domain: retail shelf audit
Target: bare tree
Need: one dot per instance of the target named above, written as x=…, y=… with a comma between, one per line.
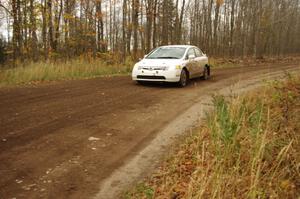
x=221, y=27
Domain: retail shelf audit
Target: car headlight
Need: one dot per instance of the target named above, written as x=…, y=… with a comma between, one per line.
x=140, y=67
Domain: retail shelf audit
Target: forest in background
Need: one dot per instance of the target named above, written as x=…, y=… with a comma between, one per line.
x=38, y=30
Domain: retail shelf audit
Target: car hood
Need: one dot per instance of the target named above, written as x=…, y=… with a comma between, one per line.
x=159, y=62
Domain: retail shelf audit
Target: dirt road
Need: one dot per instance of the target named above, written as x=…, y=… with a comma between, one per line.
x=61, y=140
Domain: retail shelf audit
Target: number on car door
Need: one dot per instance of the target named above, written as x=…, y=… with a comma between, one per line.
x=191, y=62
x=201, y=61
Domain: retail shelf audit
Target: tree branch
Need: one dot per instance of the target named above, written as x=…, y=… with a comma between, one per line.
x=6, y=9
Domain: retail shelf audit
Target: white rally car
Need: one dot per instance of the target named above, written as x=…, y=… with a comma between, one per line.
x=174, y=63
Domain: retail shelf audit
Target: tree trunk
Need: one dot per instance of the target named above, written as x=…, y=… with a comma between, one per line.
x=154, y=34
x=149, y=18
x=33, y=36
x=124, y=28
x=135, y=14
x=100, y=37
x=17, y=37
x=216, y=21
x=44, y=28
x=50, y=25
x=57, y=26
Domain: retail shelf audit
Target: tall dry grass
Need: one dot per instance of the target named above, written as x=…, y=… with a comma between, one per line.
x=248, y=148
x=229, y=62
x=50, y=71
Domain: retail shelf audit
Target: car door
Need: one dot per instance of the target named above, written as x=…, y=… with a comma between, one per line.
x=191, y=64
x=201, y=60
x=198, y=63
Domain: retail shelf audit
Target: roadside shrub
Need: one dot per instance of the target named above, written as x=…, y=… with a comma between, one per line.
x=249, y=148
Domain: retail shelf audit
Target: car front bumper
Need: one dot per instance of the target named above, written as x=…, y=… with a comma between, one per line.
x=156, y=75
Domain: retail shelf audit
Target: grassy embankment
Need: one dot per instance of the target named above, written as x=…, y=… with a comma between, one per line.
x=249, y=147
x=82, y=68
x=50, y=71
x=219, y=62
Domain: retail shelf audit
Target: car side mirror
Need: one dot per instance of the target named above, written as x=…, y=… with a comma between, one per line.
x=143, y=57
x=191, y=56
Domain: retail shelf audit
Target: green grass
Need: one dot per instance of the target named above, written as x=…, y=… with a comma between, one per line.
x=248, y=148
x=142, y=189
x=75, y=69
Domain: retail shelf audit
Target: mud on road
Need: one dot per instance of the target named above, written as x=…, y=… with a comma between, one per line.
x=62, y=140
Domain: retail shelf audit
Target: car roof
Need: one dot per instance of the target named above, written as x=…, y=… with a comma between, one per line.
x=182, y=46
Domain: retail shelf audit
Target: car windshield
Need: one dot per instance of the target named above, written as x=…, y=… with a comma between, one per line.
x=167, y=53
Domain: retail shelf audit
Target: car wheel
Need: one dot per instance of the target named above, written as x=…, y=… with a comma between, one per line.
x=206, y=73
x=183, y=78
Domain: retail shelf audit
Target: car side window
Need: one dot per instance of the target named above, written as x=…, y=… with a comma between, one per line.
x=190, y=52
x=198, y=52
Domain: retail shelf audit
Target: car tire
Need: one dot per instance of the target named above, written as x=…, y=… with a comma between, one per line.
x=183, y=78
x=206, y=73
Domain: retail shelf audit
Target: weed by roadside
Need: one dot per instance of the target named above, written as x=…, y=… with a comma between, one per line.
x=75, y=69
x=219, y=62
x=249, y=148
